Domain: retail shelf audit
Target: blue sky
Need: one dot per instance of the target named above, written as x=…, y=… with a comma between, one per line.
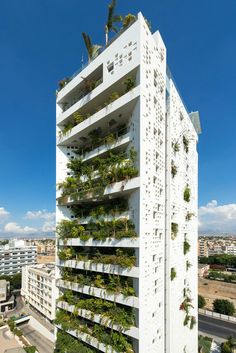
x=41, y=43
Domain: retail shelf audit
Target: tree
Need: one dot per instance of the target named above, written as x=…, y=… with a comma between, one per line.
x=223, y=306
x=92, y=49
x=111, y=19
x=201, y=302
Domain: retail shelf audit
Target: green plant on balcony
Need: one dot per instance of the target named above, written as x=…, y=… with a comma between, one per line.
x=173, y=273
x=175, y=146
x=121, y=258
x=187, y=319
x=62, y=83
x=78, y=118
x=189, y=216
x=186, y=304
x=129, y=83
x=128, y=19
x=188, y=265
x=66, y=254
x=66, y=343
x=103, y=171
x=174, y=169
x=113, y=284
x=193, y=322
x=187, y=246
x=118, y=315
x=187, y=194
x=186, y=144
x=116, y=340
x=112, y=98
x=174, y=230
x=66, y=130
x=69, y=229
x=97, y=230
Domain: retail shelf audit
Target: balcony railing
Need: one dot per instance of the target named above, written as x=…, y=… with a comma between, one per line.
x=112, y=137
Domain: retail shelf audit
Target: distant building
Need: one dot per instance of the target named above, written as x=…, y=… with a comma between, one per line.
x=230, y=249
x=14, y=255
x=6, y=302
x=39, y=289
x=202, y=248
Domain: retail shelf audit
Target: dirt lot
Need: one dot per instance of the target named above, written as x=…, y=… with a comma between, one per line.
x=212, y=290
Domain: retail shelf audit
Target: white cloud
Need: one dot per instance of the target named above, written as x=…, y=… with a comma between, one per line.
x=14, y=228
x=217, y=218
x=48, y=226
x=44, y=214
x=3, y=214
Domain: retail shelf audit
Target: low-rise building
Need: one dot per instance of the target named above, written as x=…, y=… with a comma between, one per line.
x=6, y=300
x=39, y=289
x=203, y=270
x=15, y=255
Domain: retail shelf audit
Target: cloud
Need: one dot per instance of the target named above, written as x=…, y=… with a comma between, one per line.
x=48, y=226
x=44, y=214
x=217, y=218
x=3, y=214
x=14, y=228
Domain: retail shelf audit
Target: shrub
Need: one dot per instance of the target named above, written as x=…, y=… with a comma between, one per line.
x=223, y=306
x=186, y=247
x=186, y=144
x=187, y=193
x=30, y=349
x=173, y=170
x=175, y=146
x=201, y=302
x=173, y=273
x=129, y=84
x=174, y=230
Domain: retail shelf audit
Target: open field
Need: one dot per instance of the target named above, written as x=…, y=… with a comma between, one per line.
x=212, y=290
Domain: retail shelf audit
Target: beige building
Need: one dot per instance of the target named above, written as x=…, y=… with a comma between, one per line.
x=39, y=289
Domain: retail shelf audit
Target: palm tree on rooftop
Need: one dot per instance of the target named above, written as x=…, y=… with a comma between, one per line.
x=111, y=20
x=92, y=49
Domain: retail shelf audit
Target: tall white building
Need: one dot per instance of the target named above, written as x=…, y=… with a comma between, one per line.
x=15, y=255
x=127, y=202
x=39, y=288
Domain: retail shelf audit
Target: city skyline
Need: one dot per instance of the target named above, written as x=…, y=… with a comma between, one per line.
x=44, y=42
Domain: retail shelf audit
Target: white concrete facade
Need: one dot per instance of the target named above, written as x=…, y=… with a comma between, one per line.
x=157, y=122
x=16, y=255
x=39, y=288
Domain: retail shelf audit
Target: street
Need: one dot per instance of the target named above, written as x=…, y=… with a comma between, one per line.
x=215, y=327
x=36, y=339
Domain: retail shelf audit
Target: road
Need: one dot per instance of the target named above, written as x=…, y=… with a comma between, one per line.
x=215, y=327
x=36, y=339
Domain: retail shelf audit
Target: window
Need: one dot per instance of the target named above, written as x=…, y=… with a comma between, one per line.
x=110, y=67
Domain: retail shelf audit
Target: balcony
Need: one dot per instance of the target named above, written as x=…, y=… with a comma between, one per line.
x=99, y=267
x=132, y=332
x=97, y=194
x=100, y=293
x=92, y=341
x=109, y=242
x=114, y=113
x=116, y=141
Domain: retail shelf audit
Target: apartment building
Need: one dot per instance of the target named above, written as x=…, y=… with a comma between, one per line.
x=202, y=248
x=39, y=289
x=14, y=255
x=127, y=170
